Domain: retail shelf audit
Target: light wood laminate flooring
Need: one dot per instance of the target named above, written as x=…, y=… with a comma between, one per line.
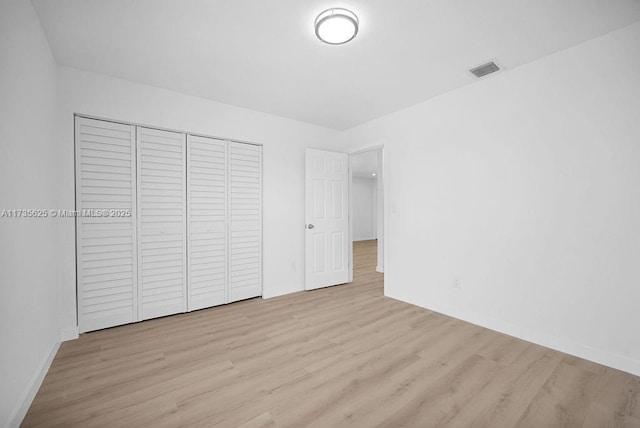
x=343, y=355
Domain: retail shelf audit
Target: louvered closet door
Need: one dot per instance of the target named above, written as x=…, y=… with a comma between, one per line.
x=106, y=228
x=162, y=274
x=207, y=227
x=245, y=199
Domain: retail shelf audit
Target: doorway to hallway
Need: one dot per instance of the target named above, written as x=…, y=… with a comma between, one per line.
x=364, y=265
x=367, y=215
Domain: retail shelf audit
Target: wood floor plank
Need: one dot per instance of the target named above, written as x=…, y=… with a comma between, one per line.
x=437, y=403
x=343, y=355
x=511, y=390
x=564, y=399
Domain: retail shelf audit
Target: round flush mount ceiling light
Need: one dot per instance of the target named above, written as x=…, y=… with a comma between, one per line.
x=336, y=26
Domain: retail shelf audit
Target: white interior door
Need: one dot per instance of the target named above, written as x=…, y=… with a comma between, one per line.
x=207, y=228
x=326, y=218
x=106, y=244
x=245, y=237
x=162, y=273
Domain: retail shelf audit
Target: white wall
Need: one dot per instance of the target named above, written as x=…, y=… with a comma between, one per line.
x=380, y=211
x=363, y=196
x=283, y=140
x=526, y=186
x=29, y=178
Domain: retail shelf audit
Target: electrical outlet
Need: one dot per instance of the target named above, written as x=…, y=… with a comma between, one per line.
x=294, y=266
x=457, y=283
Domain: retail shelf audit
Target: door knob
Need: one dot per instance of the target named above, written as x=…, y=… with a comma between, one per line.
x=308, y=226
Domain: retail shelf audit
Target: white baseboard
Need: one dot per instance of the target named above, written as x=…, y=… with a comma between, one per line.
x=380, y=269
x=606, y=358
x=69, y=333
x=21, y=411
x=278, y=293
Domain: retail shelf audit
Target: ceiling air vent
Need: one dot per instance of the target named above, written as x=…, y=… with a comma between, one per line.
x=484, y=69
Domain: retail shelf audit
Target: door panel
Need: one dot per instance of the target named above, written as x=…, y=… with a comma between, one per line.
x=106, y=245
x=207, y=229
x=245, y=200
x=326, y=203
x=162, y=274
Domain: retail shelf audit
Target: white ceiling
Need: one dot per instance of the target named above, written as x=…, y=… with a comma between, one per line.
x=264, y=55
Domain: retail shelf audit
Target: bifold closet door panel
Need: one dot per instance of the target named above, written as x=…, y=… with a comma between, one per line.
x=245, y=199
x=162, y=273
x=105, y=225
x=207, y=221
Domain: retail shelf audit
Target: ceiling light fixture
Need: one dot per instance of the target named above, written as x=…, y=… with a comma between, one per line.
x=336, y=26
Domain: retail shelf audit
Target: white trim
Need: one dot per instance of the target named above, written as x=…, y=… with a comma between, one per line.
x=135, y=211
x=560, y=344
x=261, y=220
x=187, y=222
x=350, y=219
x=77, y=126
x=185, y=231
x=283, y=293
x=378, y=145
x=227, y=220
x=69, y=333
x=379, y=269
x=19, y=414
x=136, y=225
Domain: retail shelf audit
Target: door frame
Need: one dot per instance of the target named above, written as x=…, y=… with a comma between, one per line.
x=383, y=147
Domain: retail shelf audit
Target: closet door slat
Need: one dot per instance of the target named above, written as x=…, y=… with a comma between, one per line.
x=245, y=207
x=207, y=227
x=161, y=173
x=106, y=244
